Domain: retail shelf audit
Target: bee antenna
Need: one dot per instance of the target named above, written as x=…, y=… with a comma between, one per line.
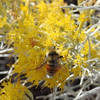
x=60, y=56
x=53, y=47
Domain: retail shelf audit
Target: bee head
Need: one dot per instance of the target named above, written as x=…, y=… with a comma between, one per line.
x=53, y=53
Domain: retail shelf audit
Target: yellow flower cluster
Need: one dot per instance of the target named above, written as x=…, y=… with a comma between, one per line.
x=14, y=92
x=45, y=26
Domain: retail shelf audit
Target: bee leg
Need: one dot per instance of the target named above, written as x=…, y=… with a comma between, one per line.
x=49, y=76
x=64, y=69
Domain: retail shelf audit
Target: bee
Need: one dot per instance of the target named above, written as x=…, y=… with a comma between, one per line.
x=52, y=62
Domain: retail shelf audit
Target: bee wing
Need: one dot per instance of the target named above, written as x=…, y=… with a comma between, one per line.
x=41, y=66
x=37, y=68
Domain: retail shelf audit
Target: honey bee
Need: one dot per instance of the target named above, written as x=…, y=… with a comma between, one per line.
x=52, y=62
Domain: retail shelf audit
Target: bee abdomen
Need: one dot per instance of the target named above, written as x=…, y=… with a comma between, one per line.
x=53, y=63
x=52, y=69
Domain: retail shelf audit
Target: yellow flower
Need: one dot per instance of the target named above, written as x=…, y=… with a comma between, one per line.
x=11, y=92
x=3, y=21
x=76, y=71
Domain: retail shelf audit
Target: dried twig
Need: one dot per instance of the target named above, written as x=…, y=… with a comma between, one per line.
x=82, y=8
x=3, y=72
x=89, y=94
x=6, y=50
x=8, y=75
